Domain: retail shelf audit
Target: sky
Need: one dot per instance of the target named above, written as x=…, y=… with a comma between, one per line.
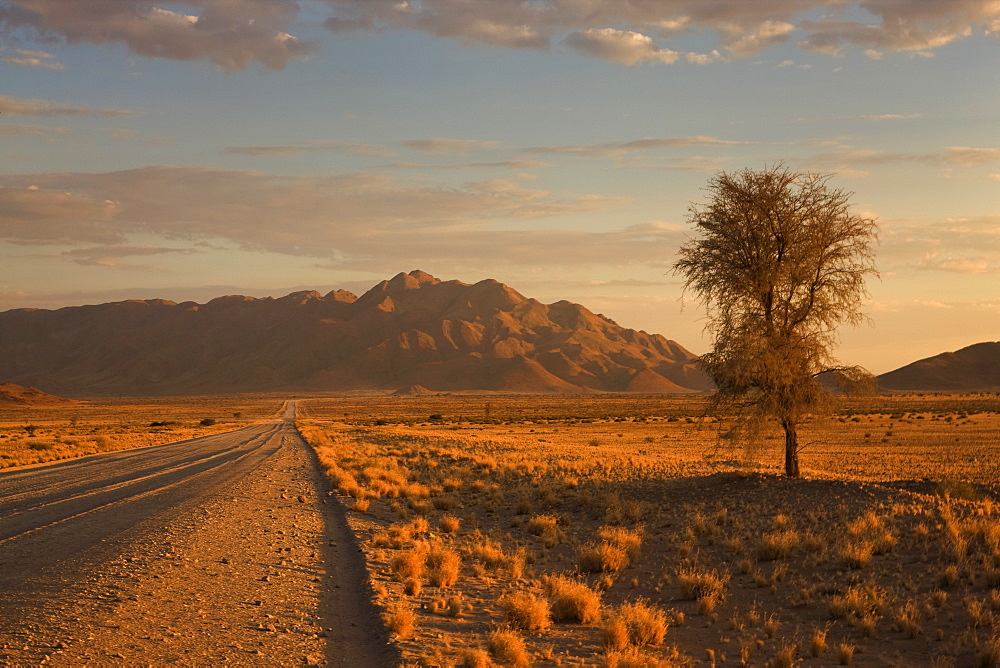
x=187, y=150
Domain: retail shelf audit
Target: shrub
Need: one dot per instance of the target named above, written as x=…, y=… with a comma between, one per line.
x=777, y=544
x=409, y=565
x=474, y=657
x=207, y=422
x=443, y=566
x=507, y=646
x=400, y=620
x=546, y=527
x=602, y=557
x=572, y=600
x=636, y=658
x=42, y=446
x=526, y=611
x=643, y=624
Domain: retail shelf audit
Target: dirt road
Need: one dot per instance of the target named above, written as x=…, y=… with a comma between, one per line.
x=218, y=550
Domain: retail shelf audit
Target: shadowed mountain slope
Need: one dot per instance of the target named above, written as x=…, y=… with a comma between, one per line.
x=411, y=330
x=18, y=395
x=975, y=368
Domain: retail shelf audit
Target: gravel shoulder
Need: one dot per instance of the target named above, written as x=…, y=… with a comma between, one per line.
x=263, y=572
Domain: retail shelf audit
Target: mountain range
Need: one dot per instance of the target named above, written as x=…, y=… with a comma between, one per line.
x=411, y=330
x=975, y=368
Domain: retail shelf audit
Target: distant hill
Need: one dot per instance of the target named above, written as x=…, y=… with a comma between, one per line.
x=972, y=369
x=18, y=395
x=412, y=330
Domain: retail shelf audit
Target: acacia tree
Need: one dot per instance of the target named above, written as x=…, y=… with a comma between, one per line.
x=780, y=261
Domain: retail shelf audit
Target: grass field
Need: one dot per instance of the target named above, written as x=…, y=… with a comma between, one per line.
x=623, y=531
x=33, y=435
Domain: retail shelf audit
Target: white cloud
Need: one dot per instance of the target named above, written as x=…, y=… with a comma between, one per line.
x=620, y=46
x=741, y=42
x=618, y=30
x=231, y=34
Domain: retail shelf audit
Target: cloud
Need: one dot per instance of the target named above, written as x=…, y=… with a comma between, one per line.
x=619, y=149
x=501, y=164
x=112, y=256
x=358, y=218
x=230, y=34
x=443, y=146
x=951, y=156
x=619, y=30
x=743, y=43
x=620, y=46
x=902, y=25
x=40, y=59
x=13, y=106
x=27, y=130
x=961, y=245
x=885, y=117
x=368, y=150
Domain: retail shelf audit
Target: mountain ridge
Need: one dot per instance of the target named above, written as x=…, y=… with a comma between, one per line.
x=974, y=368
x=411, y=330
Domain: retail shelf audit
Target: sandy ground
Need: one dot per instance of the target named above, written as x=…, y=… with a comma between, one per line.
x=263, y=572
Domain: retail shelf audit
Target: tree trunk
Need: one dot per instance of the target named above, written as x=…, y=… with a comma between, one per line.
x=791, y=448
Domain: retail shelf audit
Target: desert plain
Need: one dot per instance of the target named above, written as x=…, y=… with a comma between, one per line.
x=627, y=530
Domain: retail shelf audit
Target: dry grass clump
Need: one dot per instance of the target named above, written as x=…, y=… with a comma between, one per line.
x=493, y=558
x=409, y=565
x=526, y=611
x=862, y=605
x=617, y=549
x=635, y=623
x=449, y=524
x=507, y=646
x=907, y=619
x=546, y=527
x=601, y=557
x=400, y=619
x=571, y=600
x=474, y=657
x=707, y=586
x=443, y=566
x=777, y=544
x=637, y=658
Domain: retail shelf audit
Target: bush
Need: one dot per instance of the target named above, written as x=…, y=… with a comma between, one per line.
x=526, y=611
x=207, y=422
x=572, y=600
x=508, y=648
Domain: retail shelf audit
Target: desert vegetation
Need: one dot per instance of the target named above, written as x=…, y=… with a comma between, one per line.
x=628, y=531
x=33, y=435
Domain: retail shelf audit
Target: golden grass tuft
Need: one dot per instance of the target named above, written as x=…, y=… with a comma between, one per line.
x=443, y=566
x=572, y=600
x=526, y=611
x=635, y=623
x=507, y=646
x=400, y=619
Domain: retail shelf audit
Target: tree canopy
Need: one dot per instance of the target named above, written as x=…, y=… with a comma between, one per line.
x=779, y=262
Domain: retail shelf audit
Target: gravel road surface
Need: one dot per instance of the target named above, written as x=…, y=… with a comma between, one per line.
x=222, y=550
